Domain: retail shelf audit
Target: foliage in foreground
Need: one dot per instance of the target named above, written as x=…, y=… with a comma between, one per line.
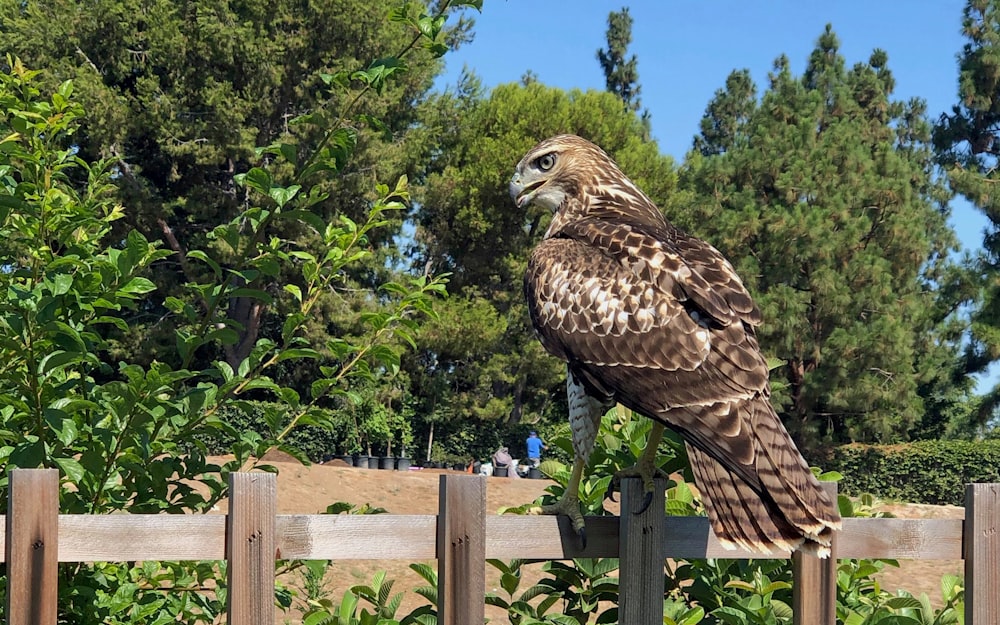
x=129, y=439
x=708, y=591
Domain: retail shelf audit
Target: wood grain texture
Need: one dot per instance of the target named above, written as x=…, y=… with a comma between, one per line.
x=461, y=550
x=32, y=547
x=250, y=547
x=130, y=537
x=357, y=537
x=901, y=539
x=982, y=554
x=641, y=566
x=124, y=537
x=814, y=594
x=549, y=538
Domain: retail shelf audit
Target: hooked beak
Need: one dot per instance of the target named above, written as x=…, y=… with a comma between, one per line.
x=522, y=195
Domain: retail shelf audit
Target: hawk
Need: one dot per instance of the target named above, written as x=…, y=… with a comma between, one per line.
x=657, y=320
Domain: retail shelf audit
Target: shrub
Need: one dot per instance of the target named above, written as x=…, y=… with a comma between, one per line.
x=931, y=472
x=129, y=438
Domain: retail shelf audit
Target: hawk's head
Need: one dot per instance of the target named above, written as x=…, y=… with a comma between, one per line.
x=558, y=167
x=574, y=178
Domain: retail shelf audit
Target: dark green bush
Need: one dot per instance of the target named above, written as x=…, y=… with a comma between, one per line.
x=932, y=472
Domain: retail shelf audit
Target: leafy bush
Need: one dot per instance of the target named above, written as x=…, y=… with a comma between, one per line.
x=930, y=472
x=128, y=438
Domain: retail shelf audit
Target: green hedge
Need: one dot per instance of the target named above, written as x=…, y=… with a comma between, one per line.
x=315, y=442
x=932, y=472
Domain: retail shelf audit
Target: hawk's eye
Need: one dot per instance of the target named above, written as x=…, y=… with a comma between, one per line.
x=546, y=162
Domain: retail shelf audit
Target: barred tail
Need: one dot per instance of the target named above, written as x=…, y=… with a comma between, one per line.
x=785, y=509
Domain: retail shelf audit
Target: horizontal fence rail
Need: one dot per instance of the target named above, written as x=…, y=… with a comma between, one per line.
x=251, y=537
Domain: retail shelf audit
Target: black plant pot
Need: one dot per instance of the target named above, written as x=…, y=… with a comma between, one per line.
x=499, y=471
x=534, y=473
x=372, y=462
x=361, y=461
x=387, y=462
x=347, y=459
x=403, y=463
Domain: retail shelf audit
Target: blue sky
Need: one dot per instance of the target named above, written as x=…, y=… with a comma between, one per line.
x=687, y=48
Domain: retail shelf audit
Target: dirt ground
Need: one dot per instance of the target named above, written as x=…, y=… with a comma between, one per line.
x=309, y=489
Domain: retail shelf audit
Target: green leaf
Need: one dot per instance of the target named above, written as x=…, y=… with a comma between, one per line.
x=208, y=260
x=898, y=603
x=257, y=294
x=72, y=469
x=294, y=290
x=282, y=195
x=57, y=359
x=138, y=286
x=692, y=617
x=61, y=283
x=298, y=352
x=257, y=179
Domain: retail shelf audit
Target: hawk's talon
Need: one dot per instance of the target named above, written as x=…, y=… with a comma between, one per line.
x=646, y=500
x=569, y=507
x=647, y=472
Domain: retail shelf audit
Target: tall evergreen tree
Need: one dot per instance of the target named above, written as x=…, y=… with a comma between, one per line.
x=621, y=72
x=823, y=194
x=727, y=115
x=968, y=141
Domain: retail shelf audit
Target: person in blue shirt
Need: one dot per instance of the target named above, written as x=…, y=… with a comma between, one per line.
x=535, y=446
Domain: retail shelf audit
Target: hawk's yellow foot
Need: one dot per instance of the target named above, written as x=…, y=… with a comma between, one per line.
x=645, y=468
x=569, y=503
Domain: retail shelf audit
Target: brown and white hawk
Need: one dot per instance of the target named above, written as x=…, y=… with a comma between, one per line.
x=657, y=320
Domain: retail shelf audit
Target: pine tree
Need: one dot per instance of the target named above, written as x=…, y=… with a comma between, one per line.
x=621, y=72
x=824, y=197
x=968, y=142
x=727, y=115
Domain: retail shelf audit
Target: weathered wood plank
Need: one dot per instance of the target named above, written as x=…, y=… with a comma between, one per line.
x=901, y=539
x=32, y=546
x=124, y=537
x=814, y=591
x=982, y=554
x=461, y=548
x=641, y=572
x=250, y=547
x=357, y=537
x=130, y=537
x=549, y=538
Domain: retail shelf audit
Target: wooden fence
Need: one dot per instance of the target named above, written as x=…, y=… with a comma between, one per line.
x=252, y=536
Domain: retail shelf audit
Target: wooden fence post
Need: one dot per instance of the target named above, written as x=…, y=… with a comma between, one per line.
x=461, y=550
x=814, y=581
x=640, y=574
x=32, y=547
x=250, y=547
x=982, y=554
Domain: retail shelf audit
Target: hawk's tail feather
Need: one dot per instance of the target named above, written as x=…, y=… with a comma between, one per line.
x=784, y=509
x=738, y=514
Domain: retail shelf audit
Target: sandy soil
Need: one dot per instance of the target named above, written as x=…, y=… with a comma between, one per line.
x=309, y=489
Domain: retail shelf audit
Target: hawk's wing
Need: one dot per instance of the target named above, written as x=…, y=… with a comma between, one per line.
x=666, y=335
x=659, y=322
